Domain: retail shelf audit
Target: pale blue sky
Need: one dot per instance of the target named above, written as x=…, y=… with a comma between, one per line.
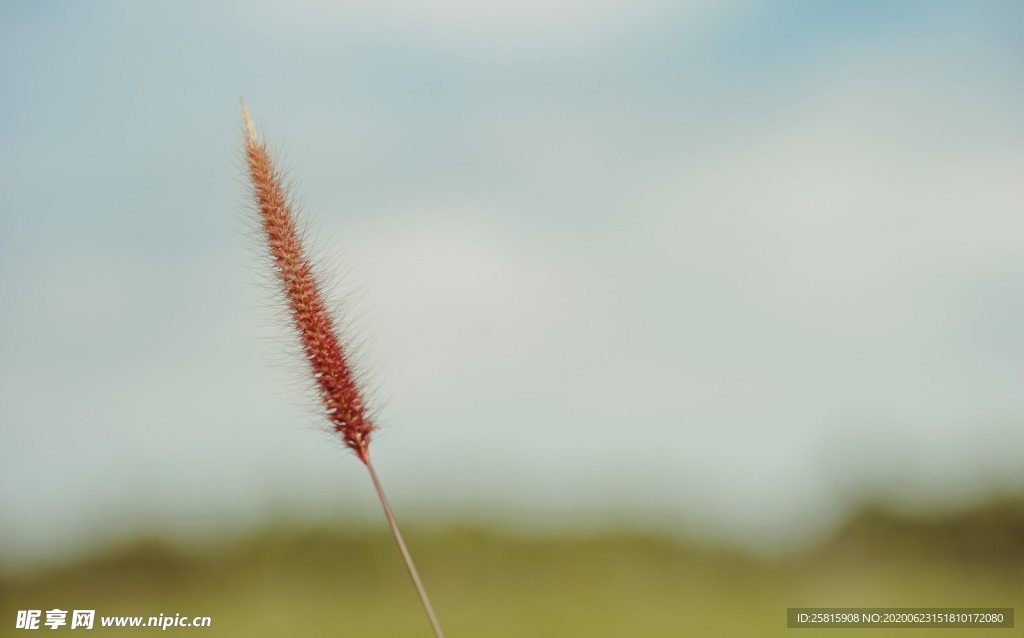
x=723, y=266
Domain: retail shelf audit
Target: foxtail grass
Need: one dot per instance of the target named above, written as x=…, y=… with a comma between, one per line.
x=325, y=352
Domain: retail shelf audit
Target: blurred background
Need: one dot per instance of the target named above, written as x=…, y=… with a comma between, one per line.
x=669, y=308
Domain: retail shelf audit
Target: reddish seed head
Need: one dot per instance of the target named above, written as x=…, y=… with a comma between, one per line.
x=323, y=350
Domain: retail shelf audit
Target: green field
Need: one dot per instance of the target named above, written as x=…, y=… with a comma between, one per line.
x=335, y=582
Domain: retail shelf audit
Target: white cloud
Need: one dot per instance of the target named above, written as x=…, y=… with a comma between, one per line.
x=528, y=28
x=453, y=296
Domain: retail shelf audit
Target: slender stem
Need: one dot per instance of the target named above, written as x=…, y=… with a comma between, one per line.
x=405, y=552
